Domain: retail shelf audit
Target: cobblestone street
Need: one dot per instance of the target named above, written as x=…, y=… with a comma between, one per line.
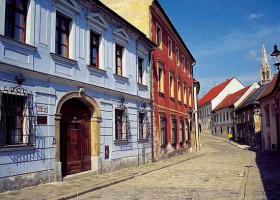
x=221, y=170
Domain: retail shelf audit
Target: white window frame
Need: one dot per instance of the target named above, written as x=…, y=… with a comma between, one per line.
x=30, y=21
x=97, y=24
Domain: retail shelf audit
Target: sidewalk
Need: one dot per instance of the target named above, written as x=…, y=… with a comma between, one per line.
x=86, y=182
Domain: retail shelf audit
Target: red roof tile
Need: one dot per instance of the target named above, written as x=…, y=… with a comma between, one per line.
x=213, y=92
x=230, y=99
x=270, y=87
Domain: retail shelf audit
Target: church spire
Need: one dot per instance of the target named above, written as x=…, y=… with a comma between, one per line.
x=265, y=70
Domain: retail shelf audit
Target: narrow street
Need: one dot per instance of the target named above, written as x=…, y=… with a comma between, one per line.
x=218, y=172
x=221, y=170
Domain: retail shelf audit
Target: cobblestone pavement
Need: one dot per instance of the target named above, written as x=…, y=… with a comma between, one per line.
x=220, y=170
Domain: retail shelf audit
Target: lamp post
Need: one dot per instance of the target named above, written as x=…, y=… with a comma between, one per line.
x=275, y=55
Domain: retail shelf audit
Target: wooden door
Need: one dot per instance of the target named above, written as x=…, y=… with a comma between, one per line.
x=75, y=137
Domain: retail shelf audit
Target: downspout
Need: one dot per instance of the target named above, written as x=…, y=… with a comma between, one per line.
x=152, y=103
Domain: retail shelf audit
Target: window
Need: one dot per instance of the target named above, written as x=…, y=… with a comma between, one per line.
x=94, y=50
x=169, y=48
x=179, y=89
x=121, y=124
x=119, y=54
x=190, y=96
x=174, y=130
x=221, y=129
x=140, y=70
x=159, y=36
x=15, y=19
x=227, y=115
x=187, y=130
x=160, y=78
x=177, y=56
x=171, y=84
x=163, y=129
x=188, y=68
x=16, y=109
x=224, y=116
x=183, y=63
x=143, y=125
x=181, y=131
x=62, y=35
x=185, y=95
x=267, y=117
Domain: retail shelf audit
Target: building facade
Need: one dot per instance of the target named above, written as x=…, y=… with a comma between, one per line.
x=248, y=120
x=74, y=91
x=270, y=112
x=172, y=75
x=212, y=99
x=223, y=115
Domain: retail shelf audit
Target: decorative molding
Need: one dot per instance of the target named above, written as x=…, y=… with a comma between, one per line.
x=62, y=59
x=97, y=22
x=121, y=36
x=17, y=43
x=69, y=4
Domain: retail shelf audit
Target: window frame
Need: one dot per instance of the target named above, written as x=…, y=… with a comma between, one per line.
x=24, y=131
x=177, y=57
x=94, y=46
x=124, y=133
x=163, y=129
x=174, y=130
x=117, y=46
x=171, y=84
x=170, y=49
x=159, y=36
x=58, y=29
x=140, y=62
x=179, y=85
x=161, y=77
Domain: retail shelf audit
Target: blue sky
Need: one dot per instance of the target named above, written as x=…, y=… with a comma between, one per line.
x=225, y=36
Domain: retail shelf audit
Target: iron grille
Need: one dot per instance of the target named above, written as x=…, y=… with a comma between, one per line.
x=144, y=125
x=174, y=131
x=122, y=124
x=163, y=130
x=17, y=119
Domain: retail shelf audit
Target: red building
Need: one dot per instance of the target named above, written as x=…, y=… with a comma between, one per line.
x=172, y=86
x=172, y=76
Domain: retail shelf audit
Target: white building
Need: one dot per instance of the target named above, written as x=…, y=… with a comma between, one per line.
x=212, y=98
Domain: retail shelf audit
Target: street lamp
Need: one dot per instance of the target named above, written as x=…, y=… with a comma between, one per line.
x=275, y=55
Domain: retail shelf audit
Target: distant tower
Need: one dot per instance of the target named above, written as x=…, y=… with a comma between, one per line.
x=265, y=70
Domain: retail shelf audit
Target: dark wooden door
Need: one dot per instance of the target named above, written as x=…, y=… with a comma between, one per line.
x=75, y=137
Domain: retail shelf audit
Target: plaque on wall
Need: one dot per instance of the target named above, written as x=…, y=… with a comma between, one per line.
x=42, y=120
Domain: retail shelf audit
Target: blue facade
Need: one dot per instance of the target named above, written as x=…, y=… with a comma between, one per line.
x=53, y=80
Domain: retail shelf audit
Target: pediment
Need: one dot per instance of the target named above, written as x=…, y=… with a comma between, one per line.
x=69, y=4
x=97, y=20
x=120, y=34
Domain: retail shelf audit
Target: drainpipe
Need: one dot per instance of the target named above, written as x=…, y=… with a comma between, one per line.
x=151, y=104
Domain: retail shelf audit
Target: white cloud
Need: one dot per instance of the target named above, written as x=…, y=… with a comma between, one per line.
x=255, y=16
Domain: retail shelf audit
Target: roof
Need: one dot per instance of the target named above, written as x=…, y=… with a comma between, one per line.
x=252, y=97
x=174, y=29
x=211, y=94
x=230, y=99
x=270, y=87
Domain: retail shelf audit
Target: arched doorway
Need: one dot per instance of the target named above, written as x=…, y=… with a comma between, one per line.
x=88, y=120
x=75, y=137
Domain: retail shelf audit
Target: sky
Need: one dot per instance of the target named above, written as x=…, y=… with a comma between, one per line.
x=225, y=36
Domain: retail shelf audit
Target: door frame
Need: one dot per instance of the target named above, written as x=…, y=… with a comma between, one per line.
x=94, y=131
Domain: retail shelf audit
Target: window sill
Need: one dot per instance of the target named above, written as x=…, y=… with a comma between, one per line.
x=161, y=94
x=142, y=86
x=92, y=68
x=63, y=59
x=17, y=43
x=121, y=141
x=121, y=77
x=143, y=140
x=10, y=148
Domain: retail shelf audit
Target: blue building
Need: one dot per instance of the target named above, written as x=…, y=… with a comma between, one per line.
x=74, y=91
